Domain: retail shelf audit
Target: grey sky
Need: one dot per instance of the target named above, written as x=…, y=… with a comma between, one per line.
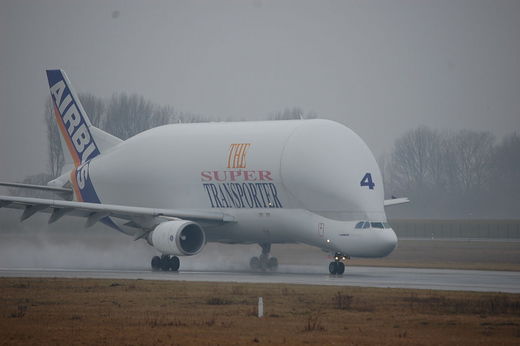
x=380, y=67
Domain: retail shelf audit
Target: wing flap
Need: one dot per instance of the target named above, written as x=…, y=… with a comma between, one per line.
x=30, y=210
x=58, y=213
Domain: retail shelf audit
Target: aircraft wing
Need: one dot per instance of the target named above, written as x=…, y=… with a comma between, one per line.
x=396, y=201
x=139, y=217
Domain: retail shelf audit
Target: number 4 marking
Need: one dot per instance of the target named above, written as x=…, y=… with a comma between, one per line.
x=367, y=181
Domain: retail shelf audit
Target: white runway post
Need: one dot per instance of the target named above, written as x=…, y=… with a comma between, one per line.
x=260, y=307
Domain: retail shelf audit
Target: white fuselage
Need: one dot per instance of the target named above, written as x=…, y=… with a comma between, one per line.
x=283, y=181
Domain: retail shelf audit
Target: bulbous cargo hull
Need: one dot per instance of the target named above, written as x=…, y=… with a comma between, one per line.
x=268, y=175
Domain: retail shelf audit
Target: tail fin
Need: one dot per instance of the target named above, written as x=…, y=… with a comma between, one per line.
x=82, y=140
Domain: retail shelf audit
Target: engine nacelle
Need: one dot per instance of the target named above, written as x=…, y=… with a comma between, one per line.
x=180, y=238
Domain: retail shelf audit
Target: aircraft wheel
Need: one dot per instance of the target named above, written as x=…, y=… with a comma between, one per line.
x=174, y=263
x=340, y=268
x=272, y=264
x=165, y=263
x=336, y=268
x=254, y=263
x=156, y=263
x=333, y=268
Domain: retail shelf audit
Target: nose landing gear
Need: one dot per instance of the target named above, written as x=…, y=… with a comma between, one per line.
x=166, y=263
x=264, y=262
x=337, y=267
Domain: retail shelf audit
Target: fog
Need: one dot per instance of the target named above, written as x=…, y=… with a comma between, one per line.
x=382, y=68
x=379, y=67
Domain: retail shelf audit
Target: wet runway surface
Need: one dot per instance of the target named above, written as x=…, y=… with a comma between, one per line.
x=434, y=279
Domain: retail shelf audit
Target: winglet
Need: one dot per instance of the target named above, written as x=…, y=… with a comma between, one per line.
x=73, y=122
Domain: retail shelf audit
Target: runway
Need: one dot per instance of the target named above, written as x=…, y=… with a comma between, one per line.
x=431, y=279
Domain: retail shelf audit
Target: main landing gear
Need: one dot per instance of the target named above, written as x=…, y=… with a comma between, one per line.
x=166, y=263
x=337, y=267
x=264, y=262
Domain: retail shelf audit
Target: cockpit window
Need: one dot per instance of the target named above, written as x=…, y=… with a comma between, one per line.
x=366, y=224
x=377, y=225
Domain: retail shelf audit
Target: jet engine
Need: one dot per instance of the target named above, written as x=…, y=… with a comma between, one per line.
x=179, y=237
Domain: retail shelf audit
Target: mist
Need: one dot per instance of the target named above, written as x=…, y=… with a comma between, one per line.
x=67, y=244
x=381, y=68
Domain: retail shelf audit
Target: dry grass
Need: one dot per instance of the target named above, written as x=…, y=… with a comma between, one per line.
x=85, y=311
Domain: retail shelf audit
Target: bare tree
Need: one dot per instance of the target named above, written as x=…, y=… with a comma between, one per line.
x=453, y=174
x=412, y=159
x=471, y=155
x=95, y=107
x=162, y=116
x=56, y=158
x=291, y=113
x=128, y=115
x=506, y=162
x=505, y=181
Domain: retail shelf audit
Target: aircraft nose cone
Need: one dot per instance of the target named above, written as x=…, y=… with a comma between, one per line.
x=388, y=242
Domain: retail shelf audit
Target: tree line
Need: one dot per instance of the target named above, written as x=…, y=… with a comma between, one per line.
x=446, y=174
x=463, y=174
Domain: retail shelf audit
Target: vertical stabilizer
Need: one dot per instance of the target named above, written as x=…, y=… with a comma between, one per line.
x=81, y=141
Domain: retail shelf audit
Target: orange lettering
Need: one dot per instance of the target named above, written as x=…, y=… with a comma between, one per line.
x=237, y=155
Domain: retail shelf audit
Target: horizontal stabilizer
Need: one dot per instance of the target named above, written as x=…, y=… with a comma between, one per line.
x=396, y=201
x=62, y=191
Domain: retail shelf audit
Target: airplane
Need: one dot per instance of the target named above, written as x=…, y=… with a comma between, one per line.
x=180, y=186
